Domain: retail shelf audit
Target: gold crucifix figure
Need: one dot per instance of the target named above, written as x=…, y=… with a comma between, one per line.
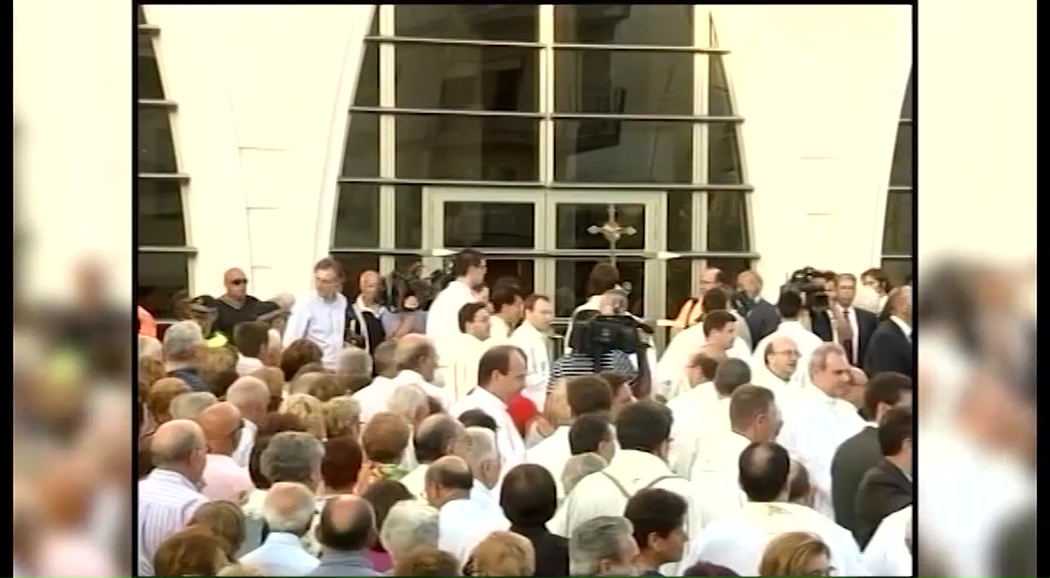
x=612, y=231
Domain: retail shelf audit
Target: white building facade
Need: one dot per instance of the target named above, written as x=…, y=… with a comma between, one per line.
x=733, y=136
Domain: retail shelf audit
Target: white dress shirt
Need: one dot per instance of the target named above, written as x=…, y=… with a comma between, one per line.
x=696, y=413
x=167, y=501
x=739, y=542
x=552, y=453
x=248, y=365
x=508, y=440
x=320, y=321
x=281, y=554
x=537, y=362
x=443, y=317
x=815, y=424
x=689, y=341
x=243, y=452
x=408, y=376
x=487, y=498
x=851, y=318
x=463, y=524
x=498, y=328
x=596, y=495
x=460, y=368
x=716, y=471
x=887, y=553
x=373, y=397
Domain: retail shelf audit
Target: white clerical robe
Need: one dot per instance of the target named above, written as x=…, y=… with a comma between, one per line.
x=464, y=523
x=598, y=495
x=443, y=318
x=408, y=376
x=887, y=553
x=717, y=471
x=689, y=341
x=695, y=412
x=415, y=481
x=373, y=397
x=805, y=340
x=461, y=367
x=739, y=542
x=815, y=424
x=498, y=328
x=537, y=362
x=508, y=440
x=552, y=453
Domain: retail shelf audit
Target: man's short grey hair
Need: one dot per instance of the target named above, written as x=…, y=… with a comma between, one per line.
x=291, y=457
x=596, y=540
x=410, y=523
x=480, y=446
x=411, y=350
x=296, y=521
x=579, y=467
x=818, y=360
x=732, y=373
x=354, y=360
x=177, y=450
x=190, y=405
x=182, y=340
x=405, y=400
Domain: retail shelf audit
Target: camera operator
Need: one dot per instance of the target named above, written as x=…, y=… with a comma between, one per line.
x=443, y=317
x=365, y=315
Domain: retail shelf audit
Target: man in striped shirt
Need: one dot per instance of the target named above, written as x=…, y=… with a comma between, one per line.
x=169, y=495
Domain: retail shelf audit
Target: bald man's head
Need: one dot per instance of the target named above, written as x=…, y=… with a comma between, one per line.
x=289, y=507
x=368, y=286
x=190, y=405
x=221, y=424
x=782, y=356
x=435, y=437
x=251, y=395
x=347, y=524
x=175, y=443
x=451, y=473
x=235, y=282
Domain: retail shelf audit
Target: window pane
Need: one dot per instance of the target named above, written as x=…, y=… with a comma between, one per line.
x=623, y=151
x=903, y=157
x=523, y=270
x=720, y=102
x=149, y=82
x=161, y=221
x=156, y=151
x=679, y=285
x=908, y=109
x=368, y=83
x=361, y=158
x=498, y=78
x=160, y=277
x=623, y=82
x=468, y=21
x=645, y=24
x=727, y=221
x=468, y=148
x=898, y=270
x=353, y=266
x=408, y=217
x=679, y=221
x=357, y=216
x=898, y=235
x=731, y=267
x=574, y=221
x=570, y=280
x=489, y=225
x=723, y=155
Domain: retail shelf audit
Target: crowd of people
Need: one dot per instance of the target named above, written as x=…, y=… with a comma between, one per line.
x=323, y=436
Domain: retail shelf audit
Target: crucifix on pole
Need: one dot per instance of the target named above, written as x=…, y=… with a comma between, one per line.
x=612, y=231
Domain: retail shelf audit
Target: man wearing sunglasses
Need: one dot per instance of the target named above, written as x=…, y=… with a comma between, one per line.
x=235, y=306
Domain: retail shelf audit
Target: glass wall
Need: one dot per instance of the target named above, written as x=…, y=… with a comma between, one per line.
x=898, y=233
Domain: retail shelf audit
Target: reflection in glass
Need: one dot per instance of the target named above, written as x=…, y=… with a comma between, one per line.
x=727, y=221
x=489, y=225
x=353, y=266
x=720, y=102
x=903, y=157
x=156, y=149
x=523, y=270
x=149, y=83
x=730, y=266
x=361, y=157
x=898, y=235
x=508, y=22
x=159, y=277
x=467, y=148
x=570, y=281
x=357, y=216
x=638, y=24
x=623, y=82
x=723, y=155
x=495, y=78
x=623, y=151
x=408, y=217
x=161, y=220
x=679, y=221
x=574, y=219
x=679, y=285
x=368, y=82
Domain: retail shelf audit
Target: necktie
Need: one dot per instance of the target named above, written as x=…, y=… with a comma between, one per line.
x=846, y=338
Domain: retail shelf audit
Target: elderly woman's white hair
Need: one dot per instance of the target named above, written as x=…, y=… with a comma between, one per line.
x=284, y=300
x=406, y=400
x=149, y=346
x=410, y=523
x=355, y=361
x=579, y=467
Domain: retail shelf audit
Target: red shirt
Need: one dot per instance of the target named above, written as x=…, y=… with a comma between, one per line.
x=522, y=410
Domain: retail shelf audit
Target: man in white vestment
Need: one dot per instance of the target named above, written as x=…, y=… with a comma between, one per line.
x=795, y=325
x=507, y=306
x=479, y=451
x=699, y=373
x=443, y=315
x=738, y=542
x=753, y=417
x=709, y=418
x=643, y=430
x=889, y=553
x=718, y=328
x=435, y=438
x=373, y=397
x=775, y=366
x=416, y=359
x=585, y=394
x=815, y=423
x=501, y=376
x=463, y=523
x=461, y=370
x=531, y=337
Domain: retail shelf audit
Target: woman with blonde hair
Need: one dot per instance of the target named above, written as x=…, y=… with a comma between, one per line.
x=309, y=410
x=796, y=554
x=225, y=520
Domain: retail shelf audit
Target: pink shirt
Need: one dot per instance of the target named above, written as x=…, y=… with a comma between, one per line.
x=225, y=480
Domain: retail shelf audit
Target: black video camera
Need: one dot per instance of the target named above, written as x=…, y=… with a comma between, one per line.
x=809, y=283
x=397, y=286
x=595, y=334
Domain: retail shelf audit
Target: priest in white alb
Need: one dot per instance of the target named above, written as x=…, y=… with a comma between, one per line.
x=713, y=329
x=794, y=324
x=889, y=553
x=507, y=304
x=501, y=376
x=443, y=315
x=698, y=425
x=461, y=366
x=775, y=365
x=532, y=337
x=416, y=359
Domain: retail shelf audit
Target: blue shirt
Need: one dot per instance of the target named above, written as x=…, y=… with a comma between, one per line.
x=282, y=554
x=335, y=563
x=322, y=322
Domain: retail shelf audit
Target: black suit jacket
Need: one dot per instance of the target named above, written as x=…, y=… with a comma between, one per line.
x=884, y=490
x=867, y=322
x=890, y=350
x=552, y=552
x=762, y=320
x=852, y=460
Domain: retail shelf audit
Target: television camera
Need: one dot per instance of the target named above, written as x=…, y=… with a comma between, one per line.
x=397, y=286
x=808, y=283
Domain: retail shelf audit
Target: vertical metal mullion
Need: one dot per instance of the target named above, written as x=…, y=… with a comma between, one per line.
x=701, y=134
x=545, y=269
x=387, y=137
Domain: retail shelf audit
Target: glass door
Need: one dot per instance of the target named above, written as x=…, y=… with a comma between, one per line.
x=585, y=228
x=508, y=226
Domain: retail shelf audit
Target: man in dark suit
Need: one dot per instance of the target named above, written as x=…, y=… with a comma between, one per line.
x=762, y=316
x=849, y=326
x=887, y=487
x=891, y=348
x=860, y=453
